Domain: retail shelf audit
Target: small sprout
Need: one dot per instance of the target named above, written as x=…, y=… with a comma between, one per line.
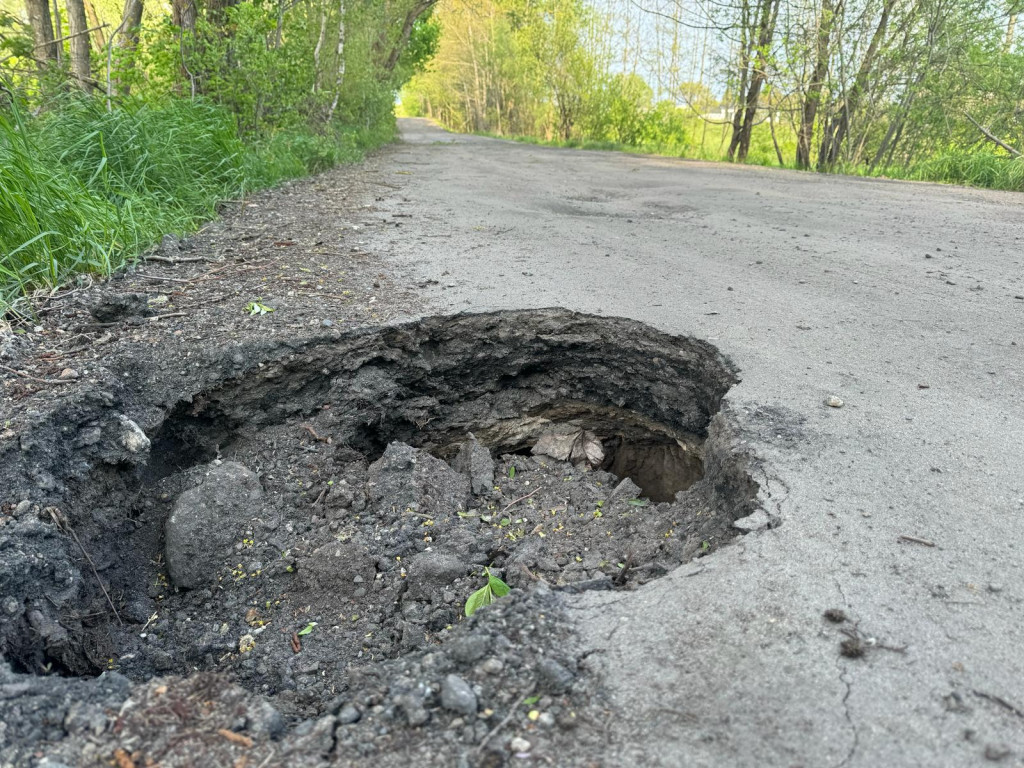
x=511, y=471
x=705, y=545
x=487, y=594
x=306, y=629
x=637, y=502
x=505, y=522
x=257, y=308
x=531, y=701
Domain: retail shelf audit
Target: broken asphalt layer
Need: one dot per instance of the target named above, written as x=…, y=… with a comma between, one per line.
x=904, y=508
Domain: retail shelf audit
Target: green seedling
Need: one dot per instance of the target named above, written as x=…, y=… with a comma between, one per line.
x=487, y=594
x=511, y=472
x=306, y=629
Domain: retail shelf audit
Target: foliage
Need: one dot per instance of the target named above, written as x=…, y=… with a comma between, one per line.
x=196, y=106
x=923, y=89
x=487, y=594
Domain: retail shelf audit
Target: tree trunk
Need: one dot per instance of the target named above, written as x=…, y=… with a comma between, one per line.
x=183, y=15
x=743, y=124
x=98, y=40
x=57, y=31
x=79, y=43
x=128, y=43
x=42, y=31
x=813, y=96
x=339, y=79
x=418, y=9
x=836, y=132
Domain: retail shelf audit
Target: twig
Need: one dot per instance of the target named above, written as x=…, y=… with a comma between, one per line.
x=504, y=722
x=151, y=318
x=34, y=378
x=915, y=540
x=1000, y=701
x=63, y=525
x=167, y=279
x=994, y=139
x=166, y=260
x=516, y=501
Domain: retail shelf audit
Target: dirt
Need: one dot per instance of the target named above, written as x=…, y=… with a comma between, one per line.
x=245, y=504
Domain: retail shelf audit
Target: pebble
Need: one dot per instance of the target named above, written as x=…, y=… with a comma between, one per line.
x=69, y=373
x=457, y=696
x=519, y=744
x=349, y=714
x=546, y=720
x=492, y=666
x=833, y=402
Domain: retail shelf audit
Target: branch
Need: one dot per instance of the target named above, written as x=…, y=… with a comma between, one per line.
x=994, y=139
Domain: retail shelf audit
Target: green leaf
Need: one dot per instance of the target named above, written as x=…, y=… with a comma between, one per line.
x=637, y=502
x=511, y=471
x=531, y=701
x=479, y=599
x=497, y=586
x=306, y=629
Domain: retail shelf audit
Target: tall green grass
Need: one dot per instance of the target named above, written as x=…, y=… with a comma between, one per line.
x=84, y=189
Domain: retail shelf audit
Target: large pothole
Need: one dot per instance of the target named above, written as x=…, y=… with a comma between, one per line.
x=323, y=508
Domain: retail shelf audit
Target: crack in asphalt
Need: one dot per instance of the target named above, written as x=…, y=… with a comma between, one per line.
x=846, y=713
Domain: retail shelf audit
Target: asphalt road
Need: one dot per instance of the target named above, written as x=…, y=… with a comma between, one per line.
x=906, y=301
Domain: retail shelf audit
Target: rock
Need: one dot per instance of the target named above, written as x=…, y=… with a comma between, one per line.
x=519, y=744
x=428, y=572
x=469, y=648
x=553, y=677
x=625, y=491
x=112, y=307
x=311, y=739
x=475, y=462
x=69, y=373
x=755, y=522
x=170, y=246
x=492, y=666
x=833, y=402
x=262, y=719
x=207, y=521
x=407, y=478
x=578, y=447
x=457, y=696
x=413, y=708
x=348, y=714
x=132, y=437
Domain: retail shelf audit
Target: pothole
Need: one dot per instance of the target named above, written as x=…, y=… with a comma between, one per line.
x=334, y=506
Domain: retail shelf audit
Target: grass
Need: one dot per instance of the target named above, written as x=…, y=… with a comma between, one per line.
x=85, y=190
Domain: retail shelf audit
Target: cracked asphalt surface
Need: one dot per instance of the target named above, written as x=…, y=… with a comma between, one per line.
x=904, y=300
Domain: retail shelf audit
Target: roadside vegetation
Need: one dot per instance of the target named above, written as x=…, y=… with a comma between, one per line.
x=121, y=124
x=920, y=90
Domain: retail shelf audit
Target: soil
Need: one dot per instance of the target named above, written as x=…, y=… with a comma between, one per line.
x=246, y=501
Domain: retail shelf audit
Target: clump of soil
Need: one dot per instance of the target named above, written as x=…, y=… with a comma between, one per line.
x=306, y=519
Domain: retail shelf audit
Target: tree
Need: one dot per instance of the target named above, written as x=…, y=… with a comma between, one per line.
x=78, y=32
x=38, y=12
